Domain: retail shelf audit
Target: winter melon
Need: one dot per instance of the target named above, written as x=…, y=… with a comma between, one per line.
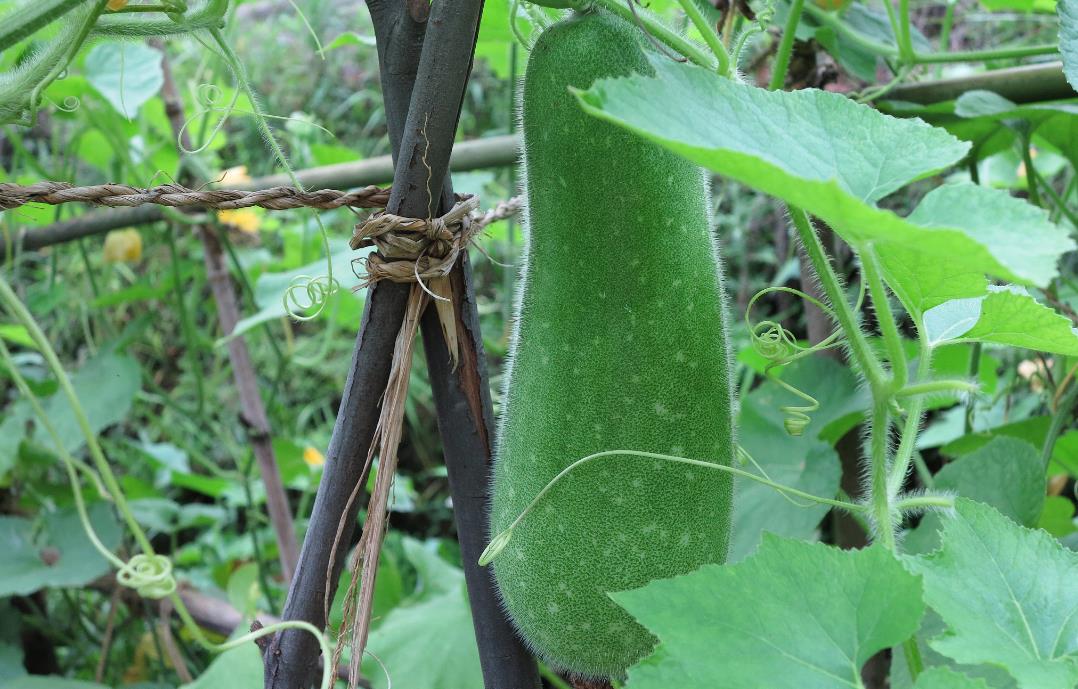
x=620, y=343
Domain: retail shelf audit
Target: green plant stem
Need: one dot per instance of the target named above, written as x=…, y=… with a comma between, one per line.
x=29, y=17
x=658, y=30
x=973, y=371
x=786, y=46
x=844, y=314
x=930, y=387
x=945, y=32
x=983, y=55
x=501, y=539
x=1063, y=413
x=692, y=11
x=905, y=40
x=896, y=353
x=16, y=308
x=260, y=564
x=908, y=440
x=914, y=663
x=553, y=678
x=1031, y=172
x=1060, y=203
x=920, y=502
x=185, y=322
x=878, y=455
x=890, y=52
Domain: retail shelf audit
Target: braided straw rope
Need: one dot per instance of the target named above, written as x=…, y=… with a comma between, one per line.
x=416, y=249
x=178, y=196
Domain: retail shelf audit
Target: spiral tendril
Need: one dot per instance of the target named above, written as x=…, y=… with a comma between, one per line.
x=150, y=575
x=307, y=296
x=779, y=346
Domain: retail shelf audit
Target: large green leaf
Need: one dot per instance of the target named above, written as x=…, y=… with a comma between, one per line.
x=59, y=554
x=834, y=158
x=1007, y=594
x=1005, y=315
x=238, y=668
x=988, y=216
x=1068, y=38
x=794, y=145
x=798, y=614
x=1006, y=473
x=931, y=627
x=945, y=678
x=126, y=73
x=438, y=630
x=105, y=385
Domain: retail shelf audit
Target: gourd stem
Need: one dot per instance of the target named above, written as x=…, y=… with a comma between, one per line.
x=885, y=317
x=656, y=29
x=708, y=32
x=1063, y=413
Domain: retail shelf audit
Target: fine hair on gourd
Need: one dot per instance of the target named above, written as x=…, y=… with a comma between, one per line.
x=619, y=343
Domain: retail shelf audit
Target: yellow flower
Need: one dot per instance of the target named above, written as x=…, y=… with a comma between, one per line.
x=234, y=175
x=123, y=246
x=116, y=5
x=313, y=457
x=243, y=219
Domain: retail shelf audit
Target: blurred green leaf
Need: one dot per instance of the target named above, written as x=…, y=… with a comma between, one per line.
x=49, y=682
x=1022, y=618
x=798, y=614
x=126, y=73
x=238, y=668
x=1005, y=315
x=1006, y=473
x=945, y=678
x=1058, y=517
x=60, y=540
x=105, y=386
x=1068, y=38
x=799, y=462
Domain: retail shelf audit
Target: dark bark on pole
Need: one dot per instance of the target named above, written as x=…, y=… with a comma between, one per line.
x=494, y=151
x=461, y=395
x=427, y=140
x=252, y=411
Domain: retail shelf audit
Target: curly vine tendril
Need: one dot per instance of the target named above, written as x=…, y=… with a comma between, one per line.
x=148, y=573
x=779, y=346
x=319, y=289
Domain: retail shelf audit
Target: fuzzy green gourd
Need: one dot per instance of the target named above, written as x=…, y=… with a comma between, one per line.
x=620, y=344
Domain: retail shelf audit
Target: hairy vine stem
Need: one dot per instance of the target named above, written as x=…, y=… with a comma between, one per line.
x=498, y=543
x=657, y=29
x=786, y=46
